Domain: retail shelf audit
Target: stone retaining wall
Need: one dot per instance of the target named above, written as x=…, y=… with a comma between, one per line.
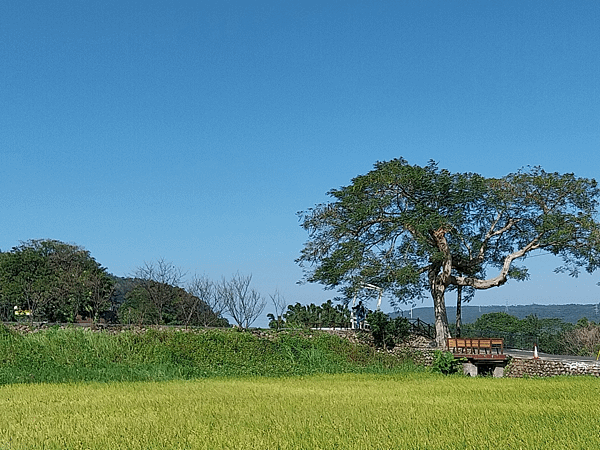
x=420, y=356
x=417, y=348
x=519, y=368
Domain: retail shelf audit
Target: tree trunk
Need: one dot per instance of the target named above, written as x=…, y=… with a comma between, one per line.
x=439, y=277
x=441, y=318
x=458, y=309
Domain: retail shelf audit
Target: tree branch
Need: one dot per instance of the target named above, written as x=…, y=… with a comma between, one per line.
x=502, y=277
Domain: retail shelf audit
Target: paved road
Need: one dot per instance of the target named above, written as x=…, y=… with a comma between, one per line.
x=565, y=358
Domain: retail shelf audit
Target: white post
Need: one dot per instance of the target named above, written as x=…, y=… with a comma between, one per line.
x=352, y=317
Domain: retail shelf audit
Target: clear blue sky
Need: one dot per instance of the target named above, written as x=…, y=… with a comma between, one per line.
x=194, y=131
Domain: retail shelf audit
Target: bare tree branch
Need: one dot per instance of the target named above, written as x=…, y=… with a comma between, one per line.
x=242, y=303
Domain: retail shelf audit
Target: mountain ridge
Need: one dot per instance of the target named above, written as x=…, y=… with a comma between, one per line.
x=570, y=313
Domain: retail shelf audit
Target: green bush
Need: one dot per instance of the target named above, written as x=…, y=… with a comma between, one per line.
x=446, y=363
x=387, y=332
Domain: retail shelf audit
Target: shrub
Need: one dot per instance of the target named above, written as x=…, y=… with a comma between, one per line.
x=446, y=363
x=387, y=332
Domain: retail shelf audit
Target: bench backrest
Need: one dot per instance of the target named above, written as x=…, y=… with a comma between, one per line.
x=471, y=344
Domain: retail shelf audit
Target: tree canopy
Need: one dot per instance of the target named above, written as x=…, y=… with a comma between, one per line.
x=53, y=281
x=327, y=315
x=411, y=229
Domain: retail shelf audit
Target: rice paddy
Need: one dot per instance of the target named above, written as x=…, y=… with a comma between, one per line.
x=346, y=411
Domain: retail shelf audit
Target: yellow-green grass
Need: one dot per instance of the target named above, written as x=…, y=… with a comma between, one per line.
x=347, y=411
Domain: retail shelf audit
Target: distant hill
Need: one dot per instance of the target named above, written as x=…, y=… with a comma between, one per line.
x=567, y=313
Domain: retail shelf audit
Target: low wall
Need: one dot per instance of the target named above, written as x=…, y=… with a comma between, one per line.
x=519, y=368
x=421, y=351
x=420, y=356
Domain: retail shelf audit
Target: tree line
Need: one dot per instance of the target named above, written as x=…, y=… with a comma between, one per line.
x=551, y=335
x=48, y=280
x=327, y=315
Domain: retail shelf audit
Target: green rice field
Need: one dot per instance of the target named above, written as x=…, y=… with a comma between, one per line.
x=347, y=411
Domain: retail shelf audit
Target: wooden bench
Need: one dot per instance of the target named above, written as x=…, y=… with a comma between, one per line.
x=475, y=346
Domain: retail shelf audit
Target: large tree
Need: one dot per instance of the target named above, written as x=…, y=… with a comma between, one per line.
x=412, y=229
x=54, y=280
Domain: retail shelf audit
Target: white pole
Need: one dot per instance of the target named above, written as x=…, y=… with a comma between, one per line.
x=352, y=317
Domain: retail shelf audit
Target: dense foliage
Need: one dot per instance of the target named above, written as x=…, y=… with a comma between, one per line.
x=53, y=281
x=387, y=332
x=327, y=315
x=445, y=363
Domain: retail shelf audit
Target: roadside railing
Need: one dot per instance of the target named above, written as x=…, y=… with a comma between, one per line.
x=417, y=326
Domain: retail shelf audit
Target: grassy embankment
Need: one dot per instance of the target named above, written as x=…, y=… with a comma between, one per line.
x=72, y=355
